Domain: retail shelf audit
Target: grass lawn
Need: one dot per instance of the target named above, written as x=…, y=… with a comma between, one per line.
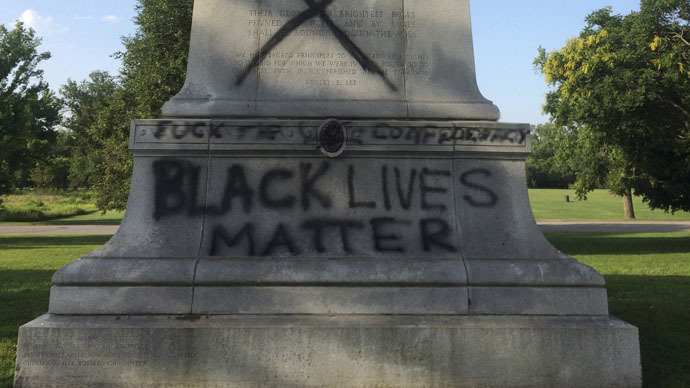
x=34, y=206
x=26, y=267
x=68, y=207
x=648, y=278
x=95, y=218
x=548, y=204
x=648, y=283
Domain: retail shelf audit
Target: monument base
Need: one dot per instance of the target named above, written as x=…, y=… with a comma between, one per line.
x=327, y=351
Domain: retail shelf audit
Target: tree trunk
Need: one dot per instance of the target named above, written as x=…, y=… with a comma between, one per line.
x=629, y=212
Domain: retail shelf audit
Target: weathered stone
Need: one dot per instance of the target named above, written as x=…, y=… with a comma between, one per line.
x=438, y=222
x=337, y=351
x=331, y=300
x=522, y=300
x=121, y=299
x=393, y=60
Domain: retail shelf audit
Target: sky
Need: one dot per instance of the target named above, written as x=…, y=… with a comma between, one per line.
x=82, y=36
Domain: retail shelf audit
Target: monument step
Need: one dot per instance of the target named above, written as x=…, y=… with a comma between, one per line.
x=331, y=299
x=327, y=351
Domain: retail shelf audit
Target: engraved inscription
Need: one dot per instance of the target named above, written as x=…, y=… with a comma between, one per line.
x=120, y=350
x=365, y=40
x=316, y=8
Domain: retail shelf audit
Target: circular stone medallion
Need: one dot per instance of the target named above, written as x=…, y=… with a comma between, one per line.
x=332, y=138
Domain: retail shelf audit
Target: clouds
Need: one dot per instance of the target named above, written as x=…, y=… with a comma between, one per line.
x=42, y=25
x=106, y=18
x=45, y=25
x=110, y=19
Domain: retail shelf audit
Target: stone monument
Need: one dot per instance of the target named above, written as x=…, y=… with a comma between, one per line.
x=328, y=202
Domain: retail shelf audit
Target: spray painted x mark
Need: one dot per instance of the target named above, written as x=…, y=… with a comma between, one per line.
x=316, y=8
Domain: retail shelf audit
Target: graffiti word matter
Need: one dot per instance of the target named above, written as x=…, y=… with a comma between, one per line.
x=307, y=211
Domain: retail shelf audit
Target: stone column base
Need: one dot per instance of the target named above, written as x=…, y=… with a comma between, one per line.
x=327, y=351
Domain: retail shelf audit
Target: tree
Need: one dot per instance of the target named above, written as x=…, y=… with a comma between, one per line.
x=85, y=101
x=621, y=91
x=544, y=170
x=154, y=65
x=29, y=111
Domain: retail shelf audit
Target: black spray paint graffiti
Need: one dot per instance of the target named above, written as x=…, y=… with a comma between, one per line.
x=196, y=130
x=386, y=233
x=432, y=134
x=316, y=8
x=301, y=188
x=306, y=133
x=491, y=197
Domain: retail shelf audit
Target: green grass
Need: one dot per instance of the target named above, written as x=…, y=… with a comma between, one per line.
x=96, y=218
x=548, y=204
x=26, y=267
x=648, y=283
x=647, y=275
x=33, y=206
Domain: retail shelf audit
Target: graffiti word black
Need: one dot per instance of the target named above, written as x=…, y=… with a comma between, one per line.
x=177, y=186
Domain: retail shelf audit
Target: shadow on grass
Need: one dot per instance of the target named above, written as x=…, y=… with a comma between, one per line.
x=34, y=242
x=6, y=381
x=79, y=222
x=36, y=215
x=660, y=308
x=616, y=244
x=23, y=296
x=69, y=221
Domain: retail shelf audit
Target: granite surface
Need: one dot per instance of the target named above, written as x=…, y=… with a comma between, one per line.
x=335, y=351
x=335, y=58
x=258, y=217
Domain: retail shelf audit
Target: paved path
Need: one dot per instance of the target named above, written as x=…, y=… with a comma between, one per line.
x=58, y=229
x=616, y=227
x=578, y=226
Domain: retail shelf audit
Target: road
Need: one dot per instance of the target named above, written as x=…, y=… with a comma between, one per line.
x=570, y=226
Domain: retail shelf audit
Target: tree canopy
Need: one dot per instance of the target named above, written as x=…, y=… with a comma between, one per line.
x=85, y=101
x=545, y=168
x=621, y=93
x=29, y=111
x=154, y=65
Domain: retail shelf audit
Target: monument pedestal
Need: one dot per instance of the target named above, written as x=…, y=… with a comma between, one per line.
x=328, y=202
x=327, y=351
x=327, y=253
x=265, y=217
